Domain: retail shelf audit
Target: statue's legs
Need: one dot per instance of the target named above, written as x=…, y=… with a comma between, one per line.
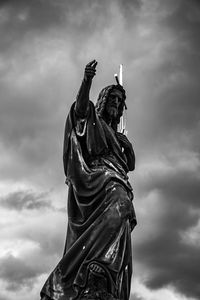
x=106, y=275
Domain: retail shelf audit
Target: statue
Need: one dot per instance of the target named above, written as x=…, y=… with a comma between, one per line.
x=97, y=261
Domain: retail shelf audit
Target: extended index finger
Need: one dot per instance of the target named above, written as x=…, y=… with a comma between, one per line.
x=91, y=63
x=95, y=64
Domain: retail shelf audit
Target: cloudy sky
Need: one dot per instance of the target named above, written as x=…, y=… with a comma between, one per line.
x=44, y=47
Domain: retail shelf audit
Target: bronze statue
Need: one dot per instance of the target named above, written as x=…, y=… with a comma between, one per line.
x=97, y=260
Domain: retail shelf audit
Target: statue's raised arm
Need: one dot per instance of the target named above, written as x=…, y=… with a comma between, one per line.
x=82, y=100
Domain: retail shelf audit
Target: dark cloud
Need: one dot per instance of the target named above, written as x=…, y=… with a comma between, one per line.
x=50, y=238
x=4, y=297
x=170, y=262
x=178, y=103
x=168, y=258
x=182, y=98
x=37, y=245
x=178, y=184
x=25, y=200
x=184, y=20
x=168, y=106
x=17, y=273
x=21, y=16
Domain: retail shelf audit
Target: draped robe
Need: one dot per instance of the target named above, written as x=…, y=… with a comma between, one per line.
x=100, y=210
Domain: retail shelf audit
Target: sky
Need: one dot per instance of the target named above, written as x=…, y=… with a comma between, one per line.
x=44, y=47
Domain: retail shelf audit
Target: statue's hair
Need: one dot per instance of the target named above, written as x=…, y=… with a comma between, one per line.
x=103, y=97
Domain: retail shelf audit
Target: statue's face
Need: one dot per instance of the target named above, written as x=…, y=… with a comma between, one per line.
x=113, y=102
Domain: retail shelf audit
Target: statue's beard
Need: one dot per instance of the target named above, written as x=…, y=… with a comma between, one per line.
x=113, y=112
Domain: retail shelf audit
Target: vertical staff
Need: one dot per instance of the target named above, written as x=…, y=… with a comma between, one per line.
x=121, y=124
x=121, y=74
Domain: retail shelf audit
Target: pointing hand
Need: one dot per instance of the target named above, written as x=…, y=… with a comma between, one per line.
x=90, y=70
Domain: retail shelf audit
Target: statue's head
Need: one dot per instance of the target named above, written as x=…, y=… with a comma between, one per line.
x=111, y=102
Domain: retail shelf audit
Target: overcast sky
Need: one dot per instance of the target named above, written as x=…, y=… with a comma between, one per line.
x=44, y=47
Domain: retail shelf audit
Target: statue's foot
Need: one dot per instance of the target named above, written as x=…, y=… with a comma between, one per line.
x=96, y=269
x=97, y=285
